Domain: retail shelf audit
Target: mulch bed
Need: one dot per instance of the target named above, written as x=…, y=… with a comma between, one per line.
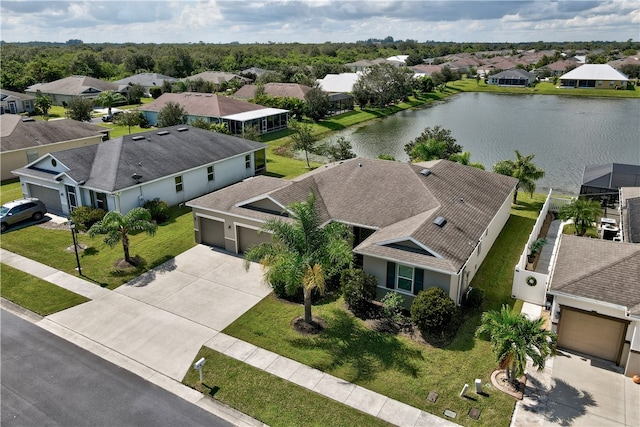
x=500, y=381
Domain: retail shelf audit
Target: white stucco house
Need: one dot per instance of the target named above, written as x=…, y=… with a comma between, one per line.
x=415, y=226
x=595, y=284
x=174, y=164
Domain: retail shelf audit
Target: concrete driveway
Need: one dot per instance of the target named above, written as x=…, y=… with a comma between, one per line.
x=162, y=318
x=581, y=391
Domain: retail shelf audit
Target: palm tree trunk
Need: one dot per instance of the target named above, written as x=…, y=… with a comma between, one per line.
x=515, y=196
x=125, y=247
x=306, y=153
x=307, y=306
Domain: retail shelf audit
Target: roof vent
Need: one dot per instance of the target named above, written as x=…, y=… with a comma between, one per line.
x=163, y=132
x=138, y=137
x=182, y=129
x=28, y=119
x=136, y=177
x=440, y=221
x=425, y=172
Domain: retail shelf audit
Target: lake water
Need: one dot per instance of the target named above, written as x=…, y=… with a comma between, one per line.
x=565, y=133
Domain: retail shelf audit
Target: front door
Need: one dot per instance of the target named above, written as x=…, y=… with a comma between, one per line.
x=71, y=197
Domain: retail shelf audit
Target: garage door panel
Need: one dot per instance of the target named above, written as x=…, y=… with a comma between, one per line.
x=212, y=232
x=248, y=237
x=48, y=196
x=584, y=332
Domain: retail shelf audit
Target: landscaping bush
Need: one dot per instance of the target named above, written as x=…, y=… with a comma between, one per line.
x=433, y=311
x=473, y=300
x=158, y=209
x=393, y=304
x=85, y=216
x=358, y=288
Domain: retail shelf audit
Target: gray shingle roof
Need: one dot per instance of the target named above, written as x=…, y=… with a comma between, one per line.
x=203, y=104
x=601, y=270
x=282, y=90
x=109, y=166
x=146, y=79
x=74, y=85
x=4, y=93
x=391, y=197
x=16, y=134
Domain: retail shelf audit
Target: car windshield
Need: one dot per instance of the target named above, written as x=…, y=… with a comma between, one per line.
x=4, y=210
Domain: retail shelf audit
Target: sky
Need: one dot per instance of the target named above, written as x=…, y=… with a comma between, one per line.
x=318, y=21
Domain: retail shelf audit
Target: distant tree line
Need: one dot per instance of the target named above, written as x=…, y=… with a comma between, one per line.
x=24, y=64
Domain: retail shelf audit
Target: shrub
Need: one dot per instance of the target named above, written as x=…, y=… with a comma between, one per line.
x=473, y=299
x=85, y=216
x=158, y=209
x=433, y=311
x=393, y=304
x=358, y=288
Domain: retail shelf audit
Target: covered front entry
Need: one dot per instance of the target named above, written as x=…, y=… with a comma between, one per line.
x=48, y=196
x=248, y=237
x=591, y=333
x=212, y=232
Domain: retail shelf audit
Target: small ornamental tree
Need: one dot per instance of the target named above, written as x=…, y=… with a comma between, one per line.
x=317, y=104
x=433, y=311
x=172, y=114
x=79, y=109
x=358, y=288
x=303, y=138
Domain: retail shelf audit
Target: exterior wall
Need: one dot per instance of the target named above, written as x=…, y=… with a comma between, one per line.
x=152, y=117
x=13, y=105
x=593, y=84
x=378, y=268
x=12, y=160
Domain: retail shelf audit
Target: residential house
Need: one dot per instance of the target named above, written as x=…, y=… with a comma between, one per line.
x=217, y=78
x=596, y=299
x=146, y=80
x=64, y=90
x=15, y=102
x=426, y=69
x=281, y=90
x=513, y=77
x=237, y=114
x=364, y=64
x=594, y=76
x=23, y=139
x=603, y=182
x=338, y=83
x=415, y=226
x=630, y=214
x=557, y=68
x=174, y=164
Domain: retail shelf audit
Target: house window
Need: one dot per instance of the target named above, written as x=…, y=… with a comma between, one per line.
x=404, y=278
x=210, y=173
x=599, y=82
x=32, y=155
x=178, y=180
x=99, y=200
x=247, y=161
x=261, y=161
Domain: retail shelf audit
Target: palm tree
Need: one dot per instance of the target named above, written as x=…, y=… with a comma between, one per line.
x=583, y=212
x=302, y=253
x=523, y=169
x=109, y=98
x=117, y=227
x=514, y=338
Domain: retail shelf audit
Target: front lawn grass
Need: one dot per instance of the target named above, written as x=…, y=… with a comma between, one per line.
x=10, y=191
x=35, y=294
x=397, y=366
x=50, y=247
x=270, y=399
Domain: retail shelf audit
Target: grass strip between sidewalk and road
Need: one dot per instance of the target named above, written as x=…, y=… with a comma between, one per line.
x=35, y=294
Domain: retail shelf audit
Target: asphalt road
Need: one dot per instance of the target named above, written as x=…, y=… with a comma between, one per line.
x=49, y=381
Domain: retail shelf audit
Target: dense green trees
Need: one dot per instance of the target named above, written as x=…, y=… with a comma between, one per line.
x=302, y=253
x=433, y=143
x=382, y=85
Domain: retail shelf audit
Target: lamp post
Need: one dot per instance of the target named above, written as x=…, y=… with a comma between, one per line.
x=72, y=226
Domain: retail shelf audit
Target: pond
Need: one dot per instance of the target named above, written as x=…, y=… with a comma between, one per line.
x=564, y=133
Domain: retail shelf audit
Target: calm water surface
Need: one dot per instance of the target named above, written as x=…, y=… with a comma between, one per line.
x=565, y=133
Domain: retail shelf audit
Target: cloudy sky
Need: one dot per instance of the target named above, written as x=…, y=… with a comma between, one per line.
x=317, y=21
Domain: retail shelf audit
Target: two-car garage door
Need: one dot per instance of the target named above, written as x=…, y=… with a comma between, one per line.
x=592, y=334
x=212, y=233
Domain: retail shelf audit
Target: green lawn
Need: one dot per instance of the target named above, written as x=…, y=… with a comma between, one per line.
x=35, y=294
x=542, y=88
x=10, y=191
x=272, y=400
x=97, y=261
x=394, y=365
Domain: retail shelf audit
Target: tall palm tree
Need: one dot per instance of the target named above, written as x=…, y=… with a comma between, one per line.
x=514, y=337
x=523, y=169
x=117, y=227
x=109, y=98
x=583, y=212
x=302, y=253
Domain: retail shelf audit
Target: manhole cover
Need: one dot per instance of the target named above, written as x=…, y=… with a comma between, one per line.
x=474, y=413
x=449, y=413
x=432, y=397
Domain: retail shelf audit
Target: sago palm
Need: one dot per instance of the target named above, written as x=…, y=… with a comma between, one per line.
x=513, y=337
x=302, y=253
x=116, y=228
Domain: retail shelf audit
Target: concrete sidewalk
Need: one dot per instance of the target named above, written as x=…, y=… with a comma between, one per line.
x=155, y=325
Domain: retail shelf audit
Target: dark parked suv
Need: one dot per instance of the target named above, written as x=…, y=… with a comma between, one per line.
x=20, y=210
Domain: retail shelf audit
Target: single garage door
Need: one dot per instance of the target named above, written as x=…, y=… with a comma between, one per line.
x=48, y=196
x=212, y=232
x=248, y=237
x=592, y=334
